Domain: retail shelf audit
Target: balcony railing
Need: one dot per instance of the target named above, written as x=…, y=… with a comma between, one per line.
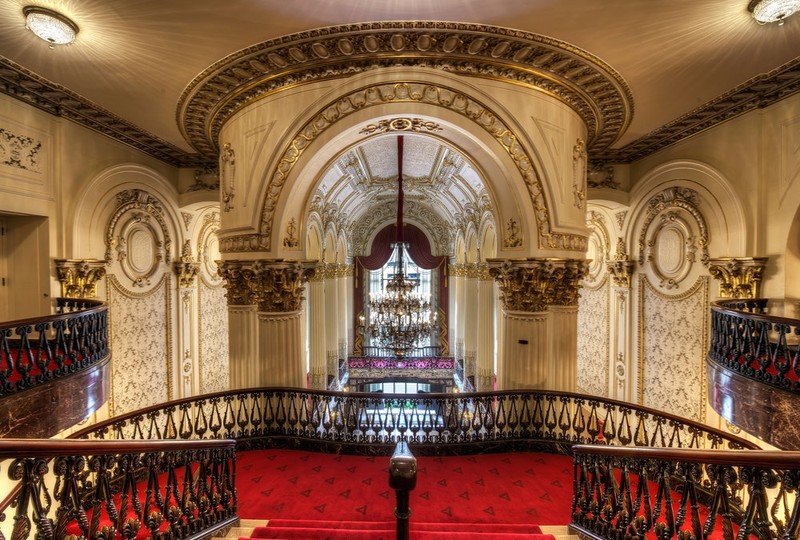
x=625, y=493
x=748, y=340
x=39, y=350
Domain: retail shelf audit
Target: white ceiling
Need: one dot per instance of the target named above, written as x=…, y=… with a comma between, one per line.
x=135, y=57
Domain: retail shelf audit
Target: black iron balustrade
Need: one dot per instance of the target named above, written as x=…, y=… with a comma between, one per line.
x=759, y=346
x=685, y=494
x=118, y=489
x=39, y=350
x=411, y=353
x=406, y=362
x=430, y=423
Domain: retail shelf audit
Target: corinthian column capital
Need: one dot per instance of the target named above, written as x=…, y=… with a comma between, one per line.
x=533, y=284
x=79, y=277
x=739, y=277
x=274, y=285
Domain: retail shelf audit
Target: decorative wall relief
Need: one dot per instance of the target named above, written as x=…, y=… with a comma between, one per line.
x=275, y=286
x=227, y=168
x=598, y=247
x=579, y=173
x=137, y=237
x=401, y=124
x=140, y=333
x=512, y=238
x=208, y=250
x=673, y=233
x=20, y=151
x=593, y=338
x=290, y=240
x=532, y=284
x=672, y=349
x=186, y=269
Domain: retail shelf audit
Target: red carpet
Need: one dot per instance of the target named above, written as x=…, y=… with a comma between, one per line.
x=378, y=530
x=524, y=488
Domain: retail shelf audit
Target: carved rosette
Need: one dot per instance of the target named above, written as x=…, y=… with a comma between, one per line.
x=79, y=277
x=530, y=285
x=274, y=285
x=186, y=269
x=739, y=277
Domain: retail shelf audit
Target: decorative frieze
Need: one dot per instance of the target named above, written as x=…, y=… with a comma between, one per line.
x=186, y=269
x=739, y=277
x=621, y=267
x=79, y=277
x=530, y=285
x=274, y=285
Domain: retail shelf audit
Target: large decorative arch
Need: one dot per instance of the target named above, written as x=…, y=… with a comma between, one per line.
x=428, y=93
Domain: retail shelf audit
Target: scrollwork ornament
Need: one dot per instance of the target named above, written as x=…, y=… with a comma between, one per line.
x=738, y=277
x=227, y=167
x=275, y=286
x=79, y=278
x=530, y=285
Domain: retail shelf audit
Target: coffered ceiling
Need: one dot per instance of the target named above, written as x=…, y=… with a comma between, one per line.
x=686, y=64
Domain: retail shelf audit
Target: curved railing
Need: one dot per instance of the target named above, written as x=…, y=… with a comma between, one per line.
x=751, y=342
x=38, y=350
x=429, y=423
x=625, y=493
x=118, y=489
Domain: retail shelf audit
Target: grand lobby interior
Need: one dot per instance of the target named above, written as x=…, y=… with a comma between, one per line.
x=599, y=204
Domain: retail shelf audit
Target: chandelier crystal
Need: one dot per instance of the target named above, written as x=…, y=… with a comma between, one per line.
x=49, y=25
x=769, y=11
x=400, y=317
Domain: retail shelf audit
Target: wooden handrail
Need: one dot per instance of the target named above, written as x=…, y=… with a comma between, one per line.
x=403, y=480
x=721, y=306
x=745, y=458
x=99, y=305
x=47, y=448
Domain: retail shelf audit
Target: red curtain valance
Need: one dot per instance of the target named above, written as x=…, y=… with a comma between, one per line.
x=418, y=248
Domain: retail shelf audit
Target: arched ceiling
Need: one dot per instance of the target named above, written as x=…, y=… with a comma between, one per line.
x=442, y=188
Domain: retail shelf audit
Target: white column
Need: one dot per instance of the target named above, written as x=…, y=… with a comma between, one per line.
x=343, y=312
x=243, y=346
x=331, y=318
x=525, y=350
x=470, y=320
x=485, y=348
x=316, y=333
x=562, y=356
x=348, y=294
x=460, y=288
x=281, y=361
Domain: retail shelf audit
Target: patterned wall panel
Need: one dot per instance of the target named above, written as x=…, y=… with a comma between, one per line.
x=673, y=338
x=593, y=336
x=140, y=345
x=213, y=315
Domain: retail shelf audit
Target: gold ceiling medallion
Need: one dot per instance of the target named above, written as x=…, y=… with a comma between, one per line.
x=401, y=124
x=587, y=84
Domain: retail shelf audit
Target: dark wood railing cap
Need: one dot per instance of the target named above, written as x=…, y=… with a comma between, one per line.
x=402, y=468
x=47, y=448
x=743, y=458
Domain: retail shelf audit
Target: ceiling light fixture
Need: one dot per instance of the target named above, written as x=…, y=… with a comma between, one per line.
x=49, y=25
x=769, y=11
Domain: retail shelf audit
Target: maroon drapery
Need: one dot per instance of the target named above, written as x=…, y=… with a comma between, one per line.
x=419, y=249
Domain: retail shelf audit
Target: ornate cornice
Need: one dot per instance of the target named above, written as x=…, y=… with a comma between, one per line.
x=739, y=277
x=274, y=285
x=26, y=86
x=757, y=93
x=79, y=277
x=530, y=285
x=587, y=84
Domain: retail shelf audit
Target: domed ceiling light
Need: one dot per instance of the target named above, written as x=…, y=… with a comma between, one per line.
x=49, y=25
x=769, y=11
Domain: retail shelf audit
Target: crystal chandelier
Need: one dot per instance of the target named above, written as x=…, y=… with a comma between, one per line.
x=769, y=11
x=49, y=25
x=400, y=317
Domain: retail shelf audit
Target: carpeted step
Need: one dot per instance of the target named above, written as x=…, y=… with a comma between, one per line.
x=414, y=526
x=377, y=530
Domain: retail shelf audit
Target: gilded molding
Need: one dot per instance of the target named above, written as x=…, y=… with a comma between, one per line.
x=404, y=92
x=621, y=267
x=685, y=199
x=587, y=84
x=274, y=285
x=530, y=285
x=417, y=125
x=458, y=270
x=186, y=269
x=579, y=158
x=227, y=173
x=739, y=277
x=79, y=277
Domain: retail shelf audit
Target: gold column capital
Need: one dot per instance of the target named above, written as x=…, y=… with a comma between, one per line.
x=274, y=285
x=79, y=277
x=532, y=284
x=187, y=267
x=739, y=277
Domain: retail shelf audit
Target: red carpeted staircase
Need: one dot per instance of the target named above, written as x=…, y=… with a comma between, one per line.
x=301, y=529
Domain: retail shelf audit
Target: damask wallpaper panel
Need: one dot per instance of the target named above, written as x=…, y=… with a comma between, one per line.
x=214, y=367
x=673, y=346
x=593, y=339
x=140, y=345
